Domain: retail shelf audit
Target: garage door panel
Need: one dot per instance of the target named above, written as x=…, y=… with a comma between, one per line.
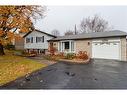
x=106, y=50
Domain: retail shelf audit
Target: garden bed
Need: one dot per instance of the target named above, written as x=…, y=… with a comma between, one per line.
x=80, y=58
x=76, y=61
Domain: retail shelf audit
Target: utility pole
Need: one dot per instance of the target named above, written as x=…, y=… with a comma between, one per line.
x=75, y=29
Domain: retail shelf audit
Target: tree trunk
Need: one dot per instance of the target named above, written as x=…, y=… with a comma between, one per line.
x=1, y=49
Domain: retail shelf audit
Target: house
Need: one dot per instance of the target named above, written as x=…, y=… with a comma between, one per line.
x=19, y=42
x=37, y=41
x=107, y=45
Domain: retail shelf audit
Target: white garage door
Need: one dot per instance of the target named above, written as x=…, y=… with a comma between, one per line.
x=107, y=50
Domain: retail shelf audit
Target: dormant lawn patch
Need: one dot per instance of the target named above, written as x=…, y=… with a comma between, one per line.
x=13, y=67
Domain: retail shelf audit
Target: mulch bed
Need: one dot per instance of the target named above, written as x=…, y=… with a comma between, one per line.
x=76, y=61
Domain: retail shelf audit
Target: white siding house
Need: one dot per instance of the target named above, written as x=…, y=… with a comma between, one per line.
x=37, y=41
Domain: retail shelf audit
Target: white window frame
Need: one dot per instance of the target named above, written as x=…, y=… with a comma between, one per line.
x=30, y=40
x=61, y=48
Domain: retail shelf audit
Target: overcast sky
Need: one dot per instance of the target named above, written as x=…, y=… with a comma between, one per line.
x=64, y=18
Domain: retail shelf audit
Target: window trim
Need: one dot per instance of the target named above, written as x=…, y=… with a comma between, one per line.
x=32, y=40
x=28, y=40
x=61, y=46
x=43, y=39
x=40, y=39
x=66, y=45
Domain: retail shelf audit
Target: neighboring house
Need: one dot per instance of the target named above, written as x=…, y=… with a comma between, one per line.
x=37, y=41
x=19, y=42
x=107, y=45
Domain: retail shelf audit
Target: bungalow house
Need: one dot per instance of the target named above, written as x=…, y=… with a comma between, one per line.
x=107, y=45
x=37, y=41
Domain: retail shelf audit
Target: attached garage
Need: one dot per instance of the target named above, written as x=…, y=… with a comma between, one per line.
x=107, y=49
x=106, y=45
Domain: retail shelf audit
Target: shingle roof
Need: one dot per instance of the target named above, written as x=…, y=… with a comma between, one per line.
x=40, y=32
x=113, y=33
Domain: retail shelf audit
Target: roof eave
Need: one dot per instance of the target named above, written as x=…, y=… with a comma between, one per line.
x=87, y=38
x=40, y=32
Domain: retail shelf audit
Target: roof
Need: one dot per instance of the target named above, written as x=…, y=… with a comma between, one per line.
x=22, y=34
x=40, y=32
x=113, y=33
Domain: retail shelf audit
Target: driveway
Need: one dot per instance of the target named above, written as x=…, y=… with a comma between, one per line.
x=99, y=74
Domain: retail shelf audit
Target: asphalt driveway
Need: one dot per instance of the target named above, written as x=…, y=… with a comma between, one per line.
x=99, y=74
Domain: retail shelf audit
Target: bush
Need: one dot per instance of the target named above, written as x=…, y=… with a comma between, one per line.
x=51, y=57
x=70, y=56
x=61, y=54
x=82, y=55
x=9, y=47
x=52, y=50
x=33, y=52
x=18, y=52
x=48, y=57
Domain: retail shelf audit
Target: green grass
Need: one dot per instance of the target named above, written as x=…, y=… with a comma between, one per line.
x=13, y=67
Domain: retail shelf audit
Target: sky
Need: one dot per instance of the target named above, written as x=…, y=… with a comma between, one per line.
x=64, y=18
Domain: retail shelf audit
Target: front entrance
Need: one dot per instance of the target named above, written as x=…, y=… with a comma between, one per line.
x=66, y=46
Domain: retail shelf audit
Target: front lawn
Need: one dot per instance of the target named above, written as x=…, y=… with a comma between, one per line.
x=13, y=67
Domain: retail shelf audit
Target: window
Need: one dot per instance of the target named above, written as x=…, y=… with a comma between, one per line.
x=31, y=39
x=114, y=43
x=39, y=39
x=27, y=40
x=42, y=38
x=66, y=45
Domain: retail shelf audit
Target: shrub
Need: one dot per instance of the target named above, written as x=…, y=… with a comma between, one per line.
x=61, y=54
x=33, y=52
x=18, y=52
x=25, y=53
x=82, y=55
x=48, y=57
x=51, y=57
x=70, y=56
x=52, y=50
x=9, y=47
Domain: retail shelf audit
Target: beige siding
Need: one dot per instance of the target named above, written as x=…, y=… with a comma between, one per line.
x=55, y=44
x=19, y=44
x=83, y=45
x=86, y=45
x=123, y=49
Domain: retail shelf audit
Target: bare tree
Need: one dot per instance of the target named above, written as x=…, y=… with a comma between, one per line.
x=69, y=32
x=55, y=32
x=95, y=24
